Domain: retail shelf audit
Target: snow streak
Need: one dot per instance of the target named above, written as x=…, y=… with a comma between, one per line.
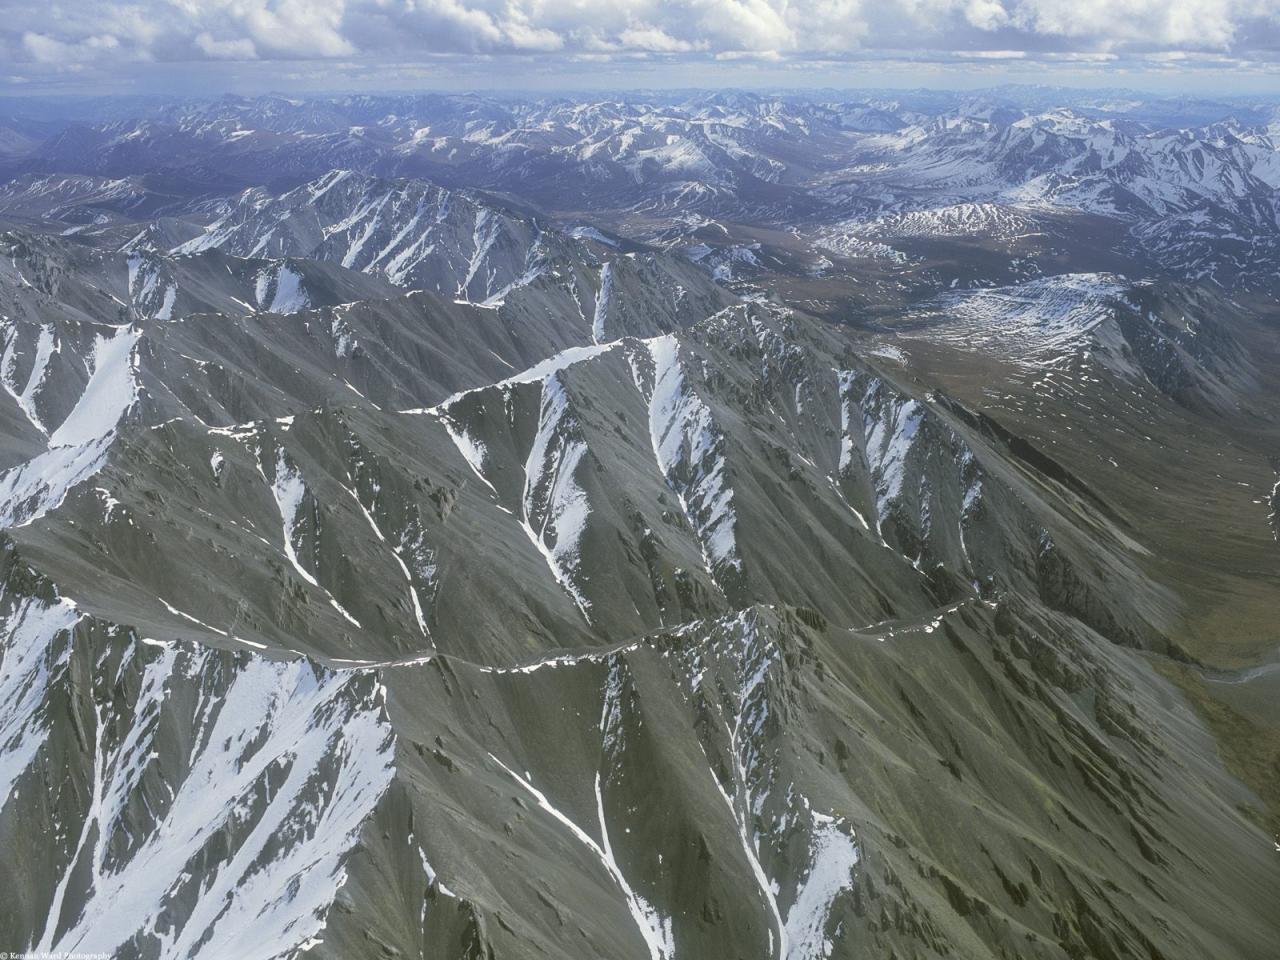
x=290, y=492
x=554, y=505
x=641, y=912
x=286, y=764
x=689, y=448
x=78, y=447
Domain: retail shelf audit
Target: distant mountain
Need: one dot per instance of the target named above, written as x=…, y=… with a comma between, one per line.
x=737, y=158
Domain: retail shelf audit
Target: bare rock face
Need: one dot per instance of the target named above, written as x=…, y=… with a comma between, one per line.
x=807, y=543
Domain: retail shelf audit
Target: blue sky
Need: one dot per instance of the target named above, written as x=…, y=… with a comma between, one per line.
x=206, y=46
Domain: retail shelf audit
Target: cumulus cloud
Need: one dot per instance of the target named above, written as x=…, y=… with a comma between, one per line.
x=986, y=14
x=236, y=49
x=101, y=31
x=46, y=49
x=654, y=40
x=1197, y=23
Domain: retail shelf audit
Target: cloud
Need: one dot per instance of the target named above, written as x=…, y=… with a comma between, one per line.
x=654, y=40
x=771, y=56
x=241, y=49
x=523, y=34
x=1197, y=24
x=299, y=28
x=45, y=49
x=986, y=14
x=100, y=32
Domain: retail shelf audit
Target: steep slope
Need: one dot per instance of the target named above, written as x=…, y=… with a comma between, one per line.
x=388, y=572
x=824, y=679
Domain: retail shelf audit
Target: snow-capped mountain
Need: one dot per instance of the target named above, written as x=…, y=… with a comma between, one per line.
x=845, y=530
x=1195, y=199
x=415, y=234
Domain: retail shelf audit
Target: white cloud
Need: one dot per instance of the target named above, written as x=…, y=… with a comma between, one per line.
x=655, y=40
x=241, y=49
x=523, y=34
x=986, y=14
x=304, y=28
x=1193, y=23
x=770, y=56
x=46, y=49
x=101, y=31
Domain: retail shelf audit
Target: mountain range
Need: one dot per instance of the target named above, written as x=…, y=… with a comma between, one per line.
x=668, y=527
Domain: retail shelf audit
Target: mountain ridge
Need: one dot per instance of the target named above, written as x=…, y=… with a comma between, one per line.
x=393, y=570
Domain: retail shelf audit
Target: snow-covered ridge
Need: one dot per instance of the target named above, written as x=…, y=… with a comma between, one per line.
x=211, y=799
x=59, y=196
x=987, y=220
x=411, y=232
x=748, y=153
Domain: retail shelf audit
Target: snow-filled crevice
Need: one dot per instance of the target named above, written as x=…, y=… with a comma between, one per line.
x=280, y=289
x=750, y=712
x=833, y=856
x=409, y=549
x=742, y=669
x=890, y=425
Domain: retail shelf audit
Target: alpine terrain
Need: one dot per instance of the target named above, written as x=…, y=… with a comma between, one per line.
x=682, y=527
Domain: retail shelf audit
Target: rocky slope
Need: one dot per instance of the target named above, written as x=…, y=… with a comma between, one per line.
x=389, y=572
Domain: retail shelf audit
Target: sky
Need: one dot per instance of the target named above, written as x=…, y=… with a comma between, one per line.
x=249, y=46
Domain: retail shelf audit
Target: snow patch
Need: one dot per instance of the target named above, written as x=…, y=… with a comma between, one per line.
x=555, y=506
x=33, y=653
x=290, y=492
x=602, y=303
x=833, y=856
x=110, y=392
x=286, y=766
x=689, y=449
